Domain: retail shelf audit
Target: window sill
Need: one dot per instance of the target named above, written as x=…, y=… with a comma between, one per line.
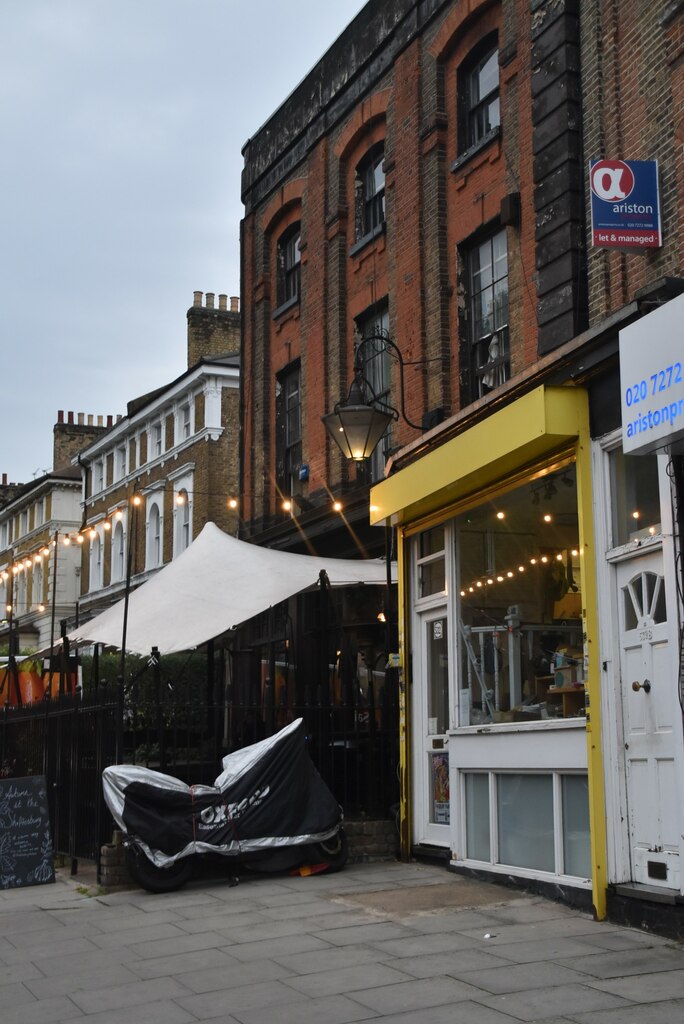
x=543, y=725
x=284, y=307
x=485, y=141
x=367, y=239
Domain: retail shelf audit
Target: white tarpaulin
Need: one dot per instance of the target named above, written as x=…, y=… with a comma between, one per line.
x=212, y=587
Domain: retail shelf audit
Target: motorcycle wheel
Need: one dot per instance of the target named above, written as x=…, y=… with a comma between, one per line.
x=334, y=851
x=148, y=876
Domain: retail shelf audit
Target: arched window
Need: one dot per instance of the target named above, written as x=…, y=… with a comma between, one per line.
x=478, y=94
x=118, y=553
x=289, y=265
x=370, y=193
x=154, y=536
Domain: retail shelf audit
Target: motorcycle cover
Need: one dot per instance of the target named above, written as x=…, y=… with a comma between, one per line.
x=268, y=795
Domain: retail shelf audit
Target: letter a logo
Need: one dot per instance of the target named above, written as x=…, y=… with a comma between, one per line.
x=611, y=180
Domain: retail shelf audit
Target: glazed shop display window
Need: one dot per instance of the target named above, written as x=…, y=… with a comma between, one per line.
x=519, y=604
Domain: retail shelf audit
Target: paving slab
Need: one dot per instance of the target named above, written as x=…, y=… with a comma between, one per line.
x=537, y=1003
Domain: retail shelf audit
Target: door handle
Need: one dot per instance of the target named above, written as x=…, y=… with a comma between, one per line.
x=645, y=686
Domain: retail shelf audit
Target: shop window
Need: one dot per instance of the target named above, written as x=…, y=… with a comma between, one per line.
x=519, y=604
x=485, y=350
x=289, y=266
x=478, y=95
x=370, y=193
x=635, y=497
x=288, y=431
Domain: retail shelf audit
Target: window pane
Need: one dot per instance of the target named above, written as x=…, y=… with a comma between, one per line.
x=576, y=851
x=439, y=785
x=431, y=541
x=525, y=816
x=438, y=676
x=635, y=498
x=477, y=816
x=432, y=578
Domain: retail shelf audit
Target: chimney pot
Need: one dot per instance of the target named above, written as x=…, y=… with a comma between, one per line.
x=70, y=416
x=99, y=421
x=81, y=419
x=119, y=417
x=110, y=421
x=60, y=415
x=234, y=304
x=210, y=300
x=90, y=419
x=223, y=302
x=197, y=298
x=4, y=479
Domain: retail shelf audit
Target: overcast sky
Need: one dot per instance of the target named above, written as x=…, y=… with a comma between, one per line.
x=122, y=124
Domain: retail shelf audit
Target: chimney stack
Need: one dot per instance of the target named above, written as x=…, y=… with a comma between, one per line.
x=212, y=331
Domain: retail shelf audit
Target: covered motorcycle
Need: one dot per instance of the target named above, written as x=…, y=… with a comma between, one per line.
x=269, y=807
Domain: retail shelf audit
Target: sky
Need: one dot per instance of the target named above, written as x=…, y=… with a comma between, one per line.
x=122, y=125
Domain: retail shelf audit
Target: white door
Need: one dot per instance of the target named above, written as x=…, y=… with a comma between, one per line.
x=652, y=720
x=431, y=720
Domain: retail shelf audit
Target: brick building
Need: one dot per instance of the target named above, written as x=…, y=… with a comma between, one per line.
x=39, y=572
x=426, y=189
x=167, y=467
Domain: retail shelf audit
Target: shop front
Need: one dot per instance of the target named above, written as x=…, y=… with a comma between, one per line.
x=499, y=645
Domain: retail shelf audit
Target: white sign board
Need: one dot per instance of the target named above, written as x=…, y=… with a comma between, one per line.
x=652, y=379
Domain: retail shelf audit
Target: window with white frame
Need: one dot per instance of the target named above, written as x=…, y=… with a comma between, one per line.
x=156, y=440
x=183, y=521
x=118, y=569
x=37, y=583
x=533, y=820
x=98, y=476
x=154, y=534
x=96, y=562
x=185, y=421
x=39, y=513
x=120, y=462
x=3, y=536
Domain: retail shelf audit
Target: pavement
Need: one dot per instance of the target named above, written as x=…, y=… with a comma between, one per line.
x=392, y=942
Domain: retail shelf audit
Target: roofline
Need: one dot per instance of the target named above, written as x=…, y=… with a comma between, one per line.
x=158, y=397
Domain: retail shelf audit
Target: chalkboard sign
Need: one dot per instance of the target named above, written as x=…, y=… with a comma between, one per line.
x=25, y=844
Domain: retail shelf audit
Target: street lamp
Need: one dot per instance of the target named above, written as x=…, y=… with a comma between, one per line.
x=358, y=424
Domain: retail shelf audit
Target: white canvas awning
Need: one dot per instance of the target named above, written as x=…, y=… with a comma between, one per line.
x=218, y=583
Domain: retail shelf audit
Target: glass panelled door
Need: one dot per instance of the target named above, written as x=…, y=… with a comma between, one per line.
x=431, y=756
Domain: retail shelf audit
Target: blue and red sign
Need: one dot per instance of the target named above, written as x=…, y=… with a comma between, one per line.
x=625, y=204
